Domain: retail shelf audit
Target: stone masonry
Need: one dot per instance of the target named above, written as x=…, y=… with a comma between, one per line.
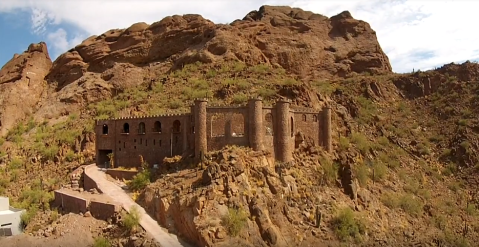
x=207, y=128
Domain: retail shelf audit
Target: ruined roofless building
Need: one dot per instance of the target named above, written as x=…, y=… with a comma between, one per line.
x=207, y=128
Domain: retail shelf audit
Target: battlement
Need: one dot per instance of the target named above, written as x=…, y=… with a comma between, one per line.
x=210, y=127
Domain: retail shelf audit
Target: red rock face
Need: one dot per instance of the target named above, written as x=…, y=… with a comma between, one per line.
x=300, y=41
x=307, y=44
x=22, y=84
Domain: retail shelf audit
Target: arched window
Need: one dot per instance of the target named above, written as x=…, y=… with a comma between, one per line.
x=292, y=126
x=141, y=128
x=157, y=127
x=126, y=128
x=315, y=118
x=304, y=117
x=176, y=126
x=105, y=129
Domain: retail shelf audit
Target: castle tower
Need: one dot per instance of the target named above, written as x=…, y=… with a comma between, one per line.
x=284, y=150
x=200, y=127
x=256, y=129
x=327, y=136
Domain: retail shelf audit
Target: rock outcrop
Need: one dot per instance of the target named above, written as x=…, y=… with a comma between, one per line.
x=22, y=84
x=97, y=68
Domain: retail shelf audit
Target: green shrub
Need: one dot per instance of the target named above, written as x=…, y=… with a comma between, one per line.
x=409, y=203
x=140, y=180
x=70, y=156
x=260, y=68
x=27, y=216
x=131, y=220
x=343, y=143
x=240, y=98
x=234, y=221
x=174, y=104
x=266, y=93
x=361, y=142
x=329, y=170
x=15, y=163
x=324, y=87
x=471, y=209
x=101, y=242
x=362, y=173
x=289, y=82
x=346, y=225
x=379, y=171
x=367, y=110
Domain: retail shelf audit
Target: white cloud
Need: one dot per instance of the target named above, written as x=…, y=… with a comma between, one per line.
x=60, y=42
x=440, y=31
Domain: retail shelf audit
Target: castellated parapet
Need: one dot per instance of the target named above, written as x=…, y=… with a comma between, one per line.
x=207, y=128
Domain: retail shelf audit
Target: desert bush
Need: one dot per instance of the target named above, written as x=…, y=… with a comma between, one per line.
x=329, y=170
x=347, y=226
x=289, y=82
x=367, y=110
x=471, y=209
x=70, y=156
x=343, y=143
x=361, y=142
x=324, y=87
x=240, y=98
x=15, y=163
x=407, y=202
x=131, y=220
x=174, y=104
x=101, y=242
x=234, y=221
x=260, y=68
x=362, y=173
x=27, y=216
x=379, y=171
x=140, y=180
x=266, y=93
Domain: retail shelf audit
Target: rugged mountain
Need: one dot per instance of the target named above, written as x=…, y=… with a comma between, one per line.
x=404, y=166
x=303, y=43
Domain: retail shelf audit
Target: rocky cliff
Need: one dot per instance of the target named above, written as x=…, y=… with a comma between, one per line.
x=301, y=42
x=405, y=160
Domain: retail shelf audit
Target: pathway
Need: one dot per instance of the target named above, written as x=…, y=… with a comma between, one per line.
x=119, y=196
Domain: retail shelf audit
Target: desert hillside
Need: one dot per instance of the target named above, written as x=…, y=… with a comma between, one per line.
x=405, y=161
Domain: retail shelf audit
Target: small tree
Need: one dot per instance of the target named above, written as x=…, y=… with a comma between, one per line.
x=111, y=156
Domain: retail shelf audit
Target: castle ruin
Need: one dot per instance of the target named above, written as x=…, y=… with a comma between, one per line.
x=207, y=128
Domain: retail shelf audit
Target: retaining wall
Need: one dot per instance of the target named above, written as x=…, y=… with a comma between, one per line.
x=121, y=174
x=70, y=203
x=103, y=210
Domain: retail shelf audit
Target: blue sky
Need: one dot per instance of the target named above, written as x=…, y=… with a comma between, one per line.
x=413, y=33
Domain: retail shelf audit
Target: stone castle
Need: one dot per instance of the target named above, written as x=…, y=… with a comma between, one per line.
x=207, y=128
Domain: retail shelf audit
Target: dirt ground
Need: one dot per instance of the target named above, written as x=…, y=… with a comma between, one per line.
x=69, y=230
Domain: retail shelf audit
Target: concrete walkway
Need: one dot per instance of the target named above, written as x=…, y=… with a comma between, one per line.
x=119, y=196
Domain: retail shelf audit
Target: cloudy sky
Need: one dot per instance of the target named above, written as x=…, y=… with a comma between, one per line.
x=414, y=34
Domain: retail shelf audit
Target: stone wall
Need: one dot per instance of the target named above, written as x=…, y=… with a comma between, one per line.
x=121, y=174
x=70, y=203
x=208, y=128
x=103, y=210
x=152, y=137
